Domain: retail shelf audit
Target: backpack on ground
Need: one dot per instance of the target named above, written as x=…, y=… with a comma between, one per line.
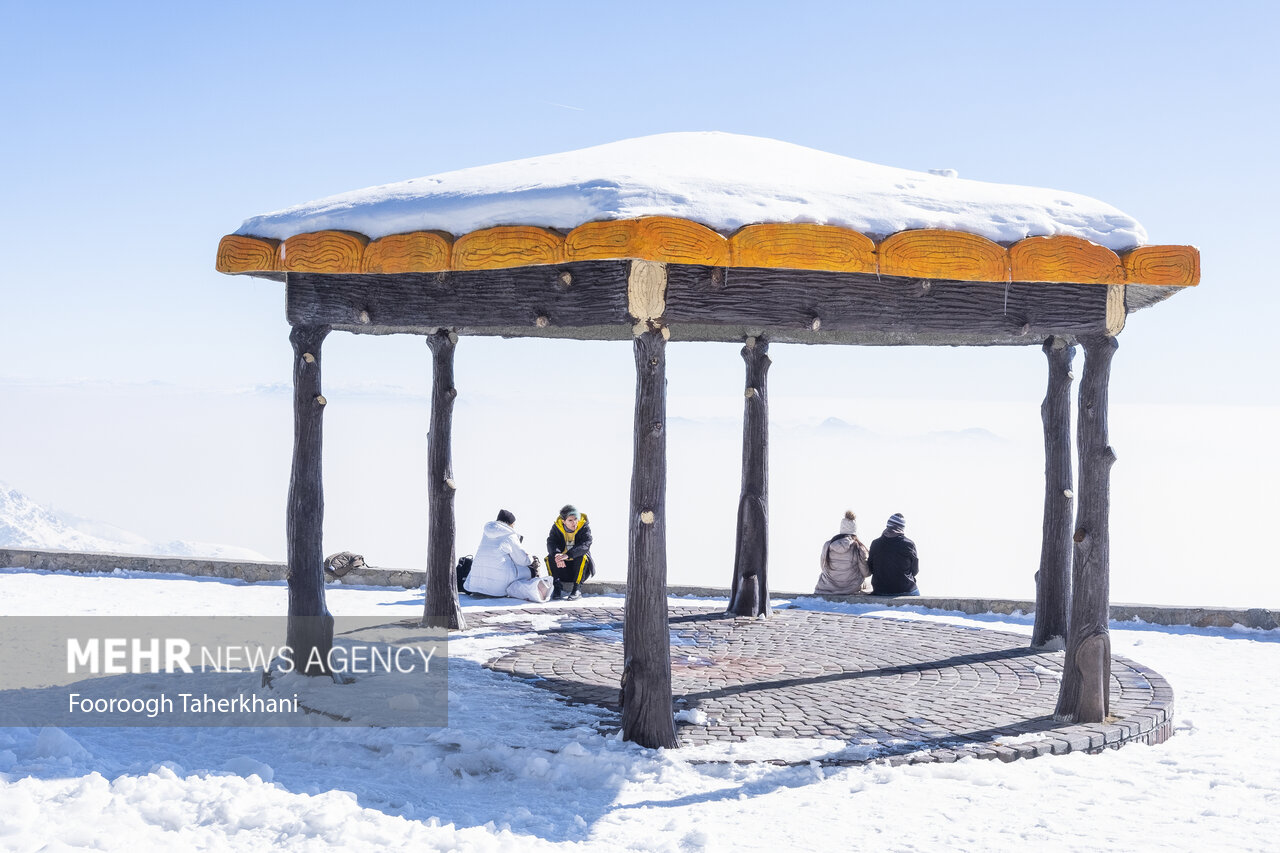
x=463, y=569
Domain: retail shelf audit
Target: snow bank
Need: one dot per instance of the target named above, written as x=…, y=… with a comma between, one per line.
x=721, y=180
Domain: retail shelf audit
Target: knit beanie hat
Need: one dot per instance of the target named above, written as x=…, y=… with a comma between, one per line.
x=849, y=524
x=506, y=517
x=896, y=521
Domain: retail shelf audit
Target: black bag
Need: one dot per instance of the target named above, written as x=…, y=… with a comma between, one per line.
x=463, y=569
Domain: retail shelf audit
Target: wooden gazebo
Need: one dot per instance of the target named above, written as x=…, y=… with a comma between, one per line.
x=660, y=277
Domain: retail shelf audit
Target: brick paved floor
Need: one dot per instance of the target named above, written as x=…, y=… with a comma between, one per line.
x=891, y=689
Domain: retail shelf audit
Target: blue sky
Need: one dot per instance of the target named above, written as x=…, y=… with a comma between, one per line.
x=138, y=134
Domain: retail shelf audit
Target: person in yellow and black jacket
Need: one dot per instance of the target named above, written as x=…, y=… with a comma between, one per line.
x=569, y=553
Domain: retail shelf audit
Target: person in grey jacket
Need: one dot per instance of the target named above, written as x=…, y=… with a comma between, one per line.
x=843, y=561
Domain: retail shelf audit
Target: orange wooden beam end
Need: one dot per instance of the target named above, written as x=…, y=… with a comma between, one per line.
x=419, y=251
x=240, y=254
x=507, y=246
x=1178, y=266
x=1066, y=259
x=802, y=246
x=324, y=251
x=949, y=255
x=651, y=238
x=923, y=253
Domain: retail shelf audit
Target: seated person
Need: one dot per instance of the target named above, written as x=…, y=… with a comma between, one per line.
x=500, y=559
x=569, y=552
x=893, y=560
x=843, y=561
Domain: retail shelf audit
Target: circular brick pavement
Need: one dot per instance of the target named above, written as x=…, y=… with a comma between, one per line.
x=890, y=689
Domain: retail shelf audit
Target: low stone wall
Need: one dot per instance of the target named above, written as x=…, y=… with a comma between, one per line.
x=75, y=561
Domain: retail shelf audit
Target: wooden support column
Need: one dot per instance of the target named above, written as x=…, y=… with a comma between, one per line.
x=441, y=609
x=646, y=641
x=1053, y=581
x=1086, y=678
x=750, y=593
x=310, y=625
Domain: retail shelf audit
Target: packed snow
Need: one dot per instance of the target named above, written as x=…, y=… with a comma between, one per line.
x=518, y=769
x=722, y=180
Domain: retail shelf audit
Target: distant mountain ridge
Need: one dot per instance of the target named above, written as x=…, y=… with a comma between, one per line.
x=26, y=524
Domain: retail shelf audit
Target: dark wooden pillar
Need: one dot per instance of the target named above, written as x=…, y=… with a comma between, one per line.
x=1086, y=678
x=646, y=674
x=750, y=592
x=1053, y=581
x=310, y=625
x=441, y=609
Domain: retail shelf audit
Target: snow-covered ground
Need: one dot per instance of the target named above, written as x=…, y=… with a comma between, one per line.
x=518, y=770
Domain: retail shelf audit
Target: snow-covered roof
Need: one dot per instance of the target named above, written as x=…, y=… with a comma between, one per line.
x=712, y=199
x=721, y=180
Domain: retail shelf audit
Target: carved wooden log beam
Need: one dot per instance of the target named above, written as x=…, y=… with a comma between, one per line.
x=790, y=301
x=589, y=294
x=589, y=300
x=749, y=595
x=1053, y=580
x=310, y=625
x=441, y=609
x=646, y=648
x=1084, y=694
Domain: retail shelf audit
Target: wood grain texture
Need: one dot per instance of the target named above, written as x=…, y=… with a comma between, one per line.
x=749, y=592
x=1053, y=580
x=1064, y=258
x=1086, y=674
x=924, y=254
x=507, y=246
x=597, y=295
x=441, y=608
x=240, y=254
x=1116, y=312
x=419, y=251
x=324, y=252
x=949, y=255
x=783, y=301
x=802, y=246
x=1178, y=266
x=651, y=238
x=646, y=295
x=646, y=639
x=309, y=632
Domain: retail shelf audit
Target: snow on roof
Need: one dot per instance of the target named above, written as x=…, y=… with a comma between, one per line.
x=721, y=180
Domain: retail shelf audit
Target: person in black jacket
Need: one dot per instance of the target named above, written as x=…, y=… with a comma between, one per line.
x=893, y=560
x=569, y=552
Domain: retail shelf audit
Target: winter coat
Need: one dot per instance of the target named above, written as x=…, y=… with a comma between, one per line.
x=499, y=560
x=577, y=545
x=894, y=565
x=844, y=566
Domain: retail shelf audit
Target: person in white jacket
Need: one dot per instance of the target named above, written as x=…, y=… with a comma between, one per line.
x=500, y=559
